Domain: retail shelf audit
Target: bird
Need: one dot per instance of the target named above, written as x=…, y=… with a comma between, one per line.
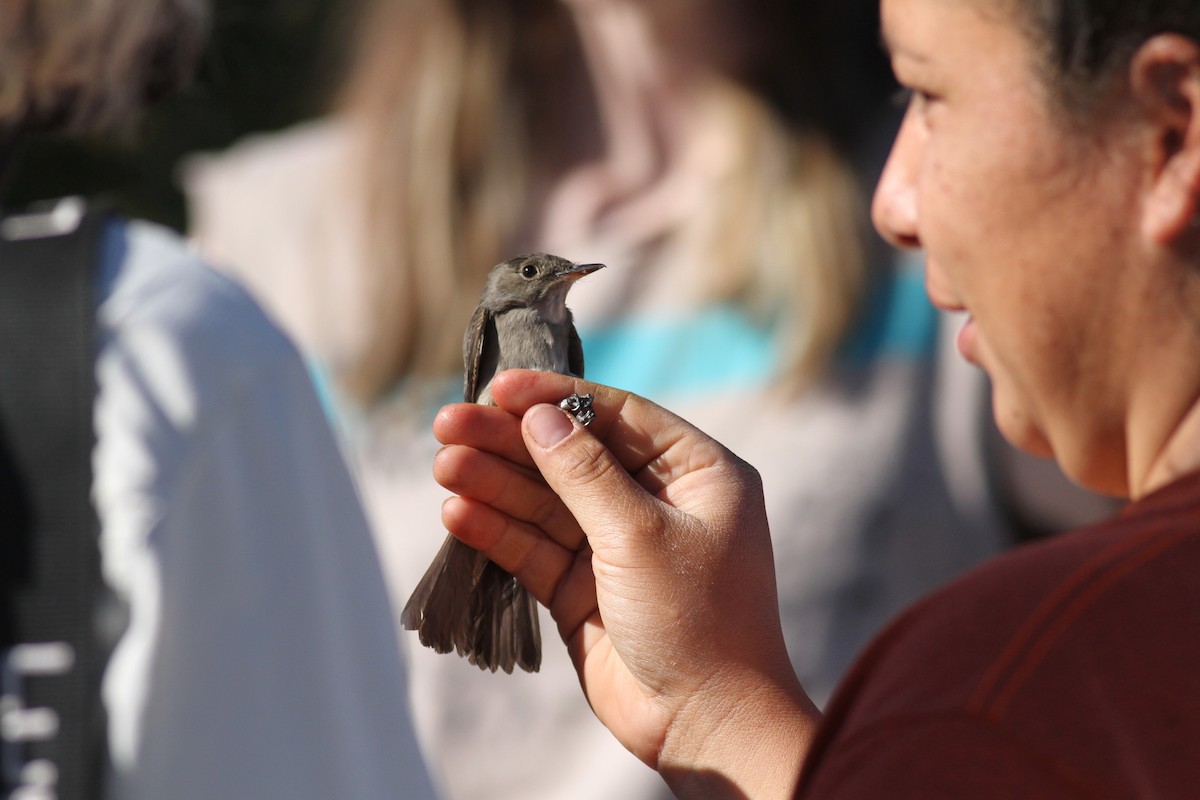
x=466, y=603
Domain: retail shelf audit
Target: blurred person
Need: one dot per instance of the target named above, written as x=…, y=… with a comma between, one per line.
x=258, y=658
x=697, y=150
x=1049, y=165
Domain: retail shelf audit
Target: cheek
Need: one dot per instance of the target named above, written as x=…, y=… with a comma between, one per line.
x=1032, y=333
x=959, y=231
x=997, y=207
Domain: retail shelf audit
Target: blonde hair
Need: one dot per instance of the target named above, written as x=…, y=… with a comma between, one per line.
x=786, y=236
x=92, y=64
x=445, y=91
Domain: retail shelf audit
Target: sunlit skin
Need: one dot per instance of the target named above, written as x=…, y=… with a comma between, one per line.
x=676, y=530
x=1036, y=228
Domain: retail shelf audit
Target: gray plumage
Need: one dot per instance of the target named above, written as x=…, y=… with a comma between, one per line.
x=465, y=602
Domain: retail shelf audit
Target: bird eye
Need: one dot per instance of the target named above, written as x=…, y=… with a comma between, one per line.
x=529, y=271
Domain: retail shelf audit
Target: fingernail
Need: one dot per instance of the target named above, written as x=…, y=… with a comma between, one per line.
x=548, y=425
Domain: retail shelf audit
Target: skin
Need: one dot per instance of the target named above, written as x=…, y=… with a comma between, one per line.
x=1073, y=252
x=1068, y=333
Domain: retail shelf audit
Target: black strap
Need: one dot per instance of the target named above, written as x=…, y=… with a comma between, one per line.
x=50, y=584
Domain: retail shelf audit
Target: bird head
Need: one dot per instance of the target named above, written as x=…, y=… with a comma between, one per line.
x=536, y=280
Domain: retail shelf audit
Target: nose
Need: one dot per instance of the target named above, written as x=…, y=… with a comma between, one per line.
x=894, y=207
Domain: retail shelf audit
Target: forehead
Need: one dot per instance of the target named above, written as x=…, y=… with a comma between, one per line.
x=903, y=19
x=957, y=46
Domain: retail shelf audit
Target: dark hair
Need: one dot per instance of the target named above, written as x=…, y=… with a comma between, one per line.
x=1086, y=43
x=81, y=65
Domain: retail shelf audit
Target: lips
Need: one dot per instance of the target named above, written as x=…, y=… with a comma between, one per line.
x=967, y=340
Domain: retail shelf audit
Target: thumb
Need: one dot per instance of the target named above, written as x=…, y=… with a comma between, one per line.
x=593, y=485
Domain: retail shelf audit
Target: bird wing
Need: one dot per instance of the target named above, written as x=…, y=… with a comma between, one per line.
x=574, y=349
x=473, y=341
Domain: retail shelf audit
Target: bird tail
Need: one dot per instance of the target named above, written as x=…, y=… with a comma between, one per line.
x=467, y=604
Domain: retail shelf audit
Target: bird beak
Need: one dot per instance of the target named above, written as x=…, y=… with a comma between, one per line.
x=577, y=271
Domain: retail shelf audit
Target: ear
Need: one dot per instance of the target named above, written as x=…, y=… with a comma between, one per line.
x=1165, y=80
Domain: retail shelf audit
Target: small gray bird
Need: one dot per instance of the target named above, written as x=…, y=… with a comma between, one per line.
x=465, y=602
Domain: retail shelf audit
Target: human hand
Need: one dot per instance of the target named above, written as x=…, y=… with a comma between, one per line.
x=648, y=542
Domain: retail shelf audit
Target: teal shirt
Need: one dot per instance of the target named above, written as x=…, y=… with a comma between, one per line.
x=718, y=346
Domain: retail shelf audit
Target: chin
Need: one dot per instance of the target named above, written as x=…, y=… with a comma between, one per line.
x=1020, y=430
x=1086, y=466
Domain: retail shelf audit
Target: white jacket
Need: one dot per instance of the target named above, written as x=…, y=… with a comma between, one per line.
x=260, y=659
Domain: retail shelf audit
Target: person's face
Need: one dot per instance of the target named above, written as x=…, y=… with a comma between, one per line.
x=1023, y=222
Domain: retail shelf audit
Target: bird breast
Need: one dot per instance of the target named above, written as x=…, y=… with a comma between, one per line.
x=529, y=341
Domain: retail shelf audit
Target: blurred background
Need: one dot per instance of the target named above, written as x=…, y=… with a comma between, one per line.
x=272, y=63
x=269, y=63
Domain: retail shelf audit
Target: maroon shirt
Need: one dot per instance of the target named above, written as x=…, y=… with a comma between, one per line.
x=1068, y=668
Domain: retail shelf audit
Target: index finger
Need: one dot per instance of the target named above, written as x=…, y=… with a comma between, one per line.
x=482, y=427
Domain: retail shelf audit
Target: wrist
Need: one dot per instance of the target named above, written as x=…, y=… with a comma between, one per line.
x=740, y=736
